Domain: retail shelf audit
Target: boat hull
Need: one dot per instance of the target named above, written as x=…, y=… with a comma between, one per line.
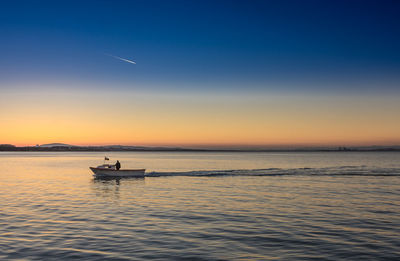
x=101, y=172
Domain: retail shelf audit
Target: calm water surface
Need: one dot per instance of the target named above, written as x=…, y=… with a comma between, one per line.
x=201, y=206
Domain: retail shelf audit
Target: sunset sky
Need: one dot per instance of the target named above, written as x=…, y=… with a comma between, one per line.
x=207, y=73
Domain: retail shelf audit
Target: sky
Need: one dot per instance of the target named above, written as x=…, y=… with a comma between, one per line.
x=200, y=73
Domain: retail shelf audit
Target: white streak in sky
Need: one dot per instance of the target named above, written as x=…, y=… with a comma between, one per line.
x=122, y=59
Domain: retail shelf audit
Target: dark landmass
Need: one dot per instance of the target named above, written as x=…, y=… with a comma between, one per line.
x=67, y=147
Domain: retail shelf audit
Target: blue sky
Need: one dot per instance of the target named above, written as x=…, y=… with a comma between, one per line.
x=208, y=73
x=319, y=46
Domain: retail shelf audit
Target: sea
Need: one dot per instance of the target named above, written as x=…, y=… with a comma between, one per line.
x=201, y=206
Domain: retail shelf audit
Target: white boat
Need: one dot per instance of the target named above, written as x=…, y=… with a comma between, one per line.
x=107, y=170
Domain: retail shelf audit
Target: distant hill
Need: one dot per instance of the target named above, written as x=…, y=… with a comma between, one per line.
x=7, y=146
x=52, y=145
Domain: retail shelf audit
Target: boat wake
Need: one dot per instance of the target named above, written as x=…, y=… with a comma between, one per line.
x=328, y=171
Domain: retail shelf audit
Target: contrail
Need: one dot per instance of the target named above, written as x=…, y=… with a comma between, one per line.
x=119, y=58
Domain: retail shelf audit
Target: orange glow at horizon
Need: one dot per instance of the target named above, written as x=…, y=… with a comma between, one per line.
x=156, y=120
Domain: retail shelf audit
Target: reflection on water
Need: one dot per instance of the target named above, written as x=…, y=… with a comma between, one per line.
x=110, y=186
x=52, y=208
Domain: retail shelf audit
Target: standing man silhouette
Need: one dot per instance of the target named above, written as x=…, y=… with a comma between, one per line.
x=117, y=165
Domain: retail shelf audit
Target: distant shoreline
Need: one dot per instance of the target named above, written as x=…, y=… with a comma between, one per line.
x=117, y=148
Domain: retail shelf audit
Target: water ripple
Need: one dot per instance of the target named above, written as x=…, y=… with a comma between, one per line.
x=58, y=211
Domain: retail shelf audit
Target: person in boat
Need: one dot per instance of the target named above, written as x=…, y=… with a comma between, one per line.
x=117, y=165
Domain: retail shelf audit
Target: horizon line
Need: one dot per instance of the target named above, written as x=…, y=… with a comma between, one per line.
x=216, y=146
